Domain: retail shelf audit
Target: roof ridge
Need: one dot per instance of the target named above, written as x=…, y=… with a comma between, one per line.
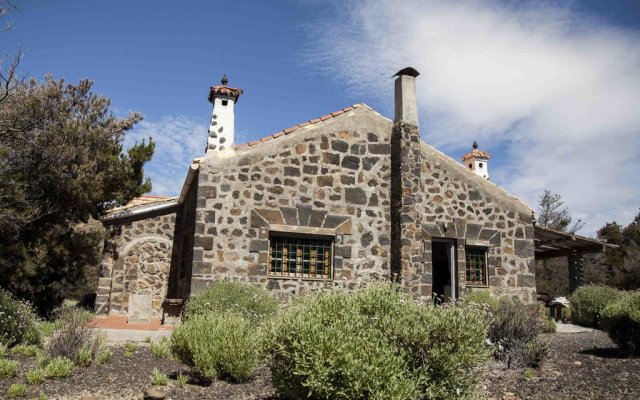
x=154, y=199
x=294, y=128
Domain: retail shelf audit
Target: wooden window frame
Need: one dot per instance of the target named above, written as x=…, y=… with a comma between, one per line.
x=485, y=273
x=300, y=275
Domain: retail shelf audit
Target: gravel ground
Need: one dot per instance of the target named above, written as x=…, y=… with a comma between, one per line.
x=128, y=379
x=580, y=366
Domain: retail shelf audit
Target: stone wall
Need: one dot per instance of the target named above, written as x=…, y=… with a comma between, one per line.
x=331, y=177
x=336, y=177
x=182, y=252
x=462, y=206
x=407, y=196
x=138, y=260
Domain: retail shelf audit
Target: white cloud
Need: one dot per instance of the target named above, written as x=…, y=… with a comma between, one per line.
x=554, y=93
x=179, y=140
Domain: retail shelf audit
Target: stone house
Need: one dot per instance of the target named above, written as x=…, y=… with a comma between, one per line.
x=347, y=198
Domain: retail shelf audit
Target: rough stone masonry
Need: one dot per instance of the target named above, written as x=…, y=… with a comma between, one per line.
x=370, y=187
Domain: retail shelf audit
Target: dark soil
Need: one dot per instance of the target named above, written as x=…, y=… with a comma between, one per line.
x=129, y=378
x=580, y=366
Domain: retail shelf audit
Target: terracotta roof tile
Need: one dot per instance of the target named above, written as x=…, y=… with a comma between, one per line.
x=475, y=153
x=141, y=201
x=302, y=124
x=224, y=90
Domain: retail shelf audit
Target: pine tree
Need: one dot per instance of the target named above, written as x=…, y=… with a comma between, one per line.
x=553, y=214
x=62, y=164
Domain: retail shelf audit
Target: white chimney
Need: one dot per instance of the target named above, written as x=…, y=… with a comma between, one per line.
x=477, y=161
x=221, y=126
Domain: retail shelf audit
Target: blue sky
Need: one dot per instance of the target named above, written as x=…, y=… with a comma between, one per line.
x=551, y=88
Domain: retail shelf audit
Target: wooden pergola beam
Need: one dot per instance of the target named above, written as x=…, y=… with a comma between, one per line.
x=543, y=255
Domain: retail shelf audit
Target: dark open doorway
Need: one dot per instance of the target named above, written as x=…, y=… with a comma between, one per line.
x=444, y=283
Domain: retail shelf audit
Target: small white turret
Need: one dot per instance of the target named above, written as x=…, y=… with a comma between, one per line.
x=477, y=161
x=221, y=126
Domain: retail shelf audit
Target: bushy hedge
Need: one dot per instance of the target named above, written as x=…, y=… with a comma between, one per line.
x=482, y=297
x=217, y=345
x=75, y=334
x=232, y=297
x=376, y=343
x=621, y=320
x=18, y=321
x=587, y=302
x=514, y=330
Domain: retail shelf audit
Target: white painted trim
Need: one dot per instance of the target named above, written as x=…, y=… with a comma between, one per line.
x=452, y=266
x=139, y=211
x=188, y=181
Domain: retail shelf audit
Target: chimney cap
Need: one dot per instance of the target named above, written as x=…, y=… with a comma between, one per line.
x=475, y=153
x=410, y=71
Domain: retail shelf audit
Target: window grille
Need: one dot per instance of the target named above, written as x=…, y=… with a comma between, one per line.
x=300, y=257
x=476, y=270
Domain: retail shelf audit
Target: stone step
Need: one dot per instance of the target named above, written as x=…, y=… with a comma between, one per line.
x=104, y=282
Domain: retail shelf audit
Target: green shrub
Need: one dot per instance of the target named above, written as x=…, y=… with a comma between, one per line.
x=74, y=334
x=3, y=349
x=17, y=321
x=251, y=302
x=47, y=328
x=549, y=325
x=482, y=297
x=587, y=302
x=58, y=368
x=376, y=343
x=529, y=373
x=103, y=355
x=217, y=346
x=161, y=348
x=158, y=378
x=35, y=376
x=42, y=361
x=85, y=356
x=16, y=390
x=621, y=320
x=8, y=368
x=534, y=352
x=182, y=379
x=514, y=326
x=27, y=350
x=131, y=347
x=41, y=396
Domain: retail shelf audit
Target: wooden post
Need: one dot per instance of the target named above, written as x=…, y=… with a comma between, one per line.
x=576, y=271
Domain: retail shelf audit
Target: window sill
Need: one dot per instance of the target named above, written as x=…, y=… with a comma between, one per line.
x=476, y=285
x=299, y=278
